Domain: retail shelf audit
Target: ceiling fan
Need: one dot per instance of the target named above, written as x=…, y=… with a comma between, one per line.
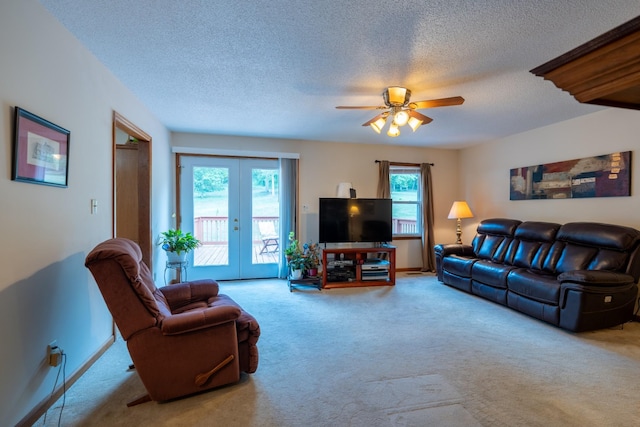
x=403, y=112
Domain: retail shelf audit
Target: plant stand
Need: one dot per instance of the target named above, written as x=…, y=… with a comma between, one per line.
x=315, y=282
x=181, y=271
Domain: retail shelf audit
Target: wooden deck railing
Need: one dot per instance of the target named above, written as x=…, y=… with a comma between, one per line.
x=404, y=226
x=215, y=229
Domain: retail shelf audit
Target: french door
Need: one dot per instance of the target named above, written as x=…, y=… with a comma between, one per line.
x=232, y=206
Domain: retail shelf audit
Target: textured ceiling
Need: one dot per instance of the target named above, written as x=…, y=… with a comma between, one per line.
x=278, y=68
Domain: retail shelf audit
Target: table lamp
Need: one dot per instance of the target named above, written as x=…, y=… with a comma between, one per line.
x=459, y=210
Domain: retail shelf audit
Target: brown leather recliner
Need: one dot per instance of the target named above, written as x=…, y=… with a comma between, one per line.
x=182, y=338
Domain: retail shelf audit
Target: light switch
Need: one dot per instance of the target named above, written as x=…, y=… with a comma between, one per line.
x=94, y=206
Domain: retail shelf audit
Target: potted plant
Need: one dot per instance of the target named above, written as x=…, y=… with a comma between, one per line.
x=177, y=244
x=295, y=257
x=312, y=257
x=293, y=246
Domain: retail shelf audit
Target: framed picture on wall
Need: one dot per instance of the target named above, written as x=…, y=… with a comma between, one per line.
x=40, y=150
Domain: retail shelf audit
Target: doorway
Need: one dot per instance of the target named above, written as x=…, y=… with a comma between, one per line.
x=232, y=206
x=132, y=185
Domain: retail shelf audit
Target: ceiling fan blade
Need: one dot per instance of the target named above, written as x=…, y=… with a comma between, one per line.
x=342, y=107
x=379, y=116
x=442, y=102
x=425, y=119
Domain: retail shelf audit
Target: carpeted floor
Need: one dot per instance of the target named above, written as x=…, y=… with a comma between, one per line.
x=417, y=354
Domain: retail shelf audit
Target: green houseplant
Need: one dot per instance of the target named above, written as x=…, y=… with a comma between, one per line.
x=311, y=253
x=302, y=258
x=295, y=257
x=177, y=244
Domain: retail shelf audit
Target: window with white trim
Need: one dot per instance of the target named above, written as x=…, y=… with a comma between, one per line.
x=404, y=183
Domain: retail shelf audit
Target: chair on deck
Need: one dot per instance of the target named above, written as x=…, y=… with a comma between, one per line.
x=183, y=338
x=270, y=239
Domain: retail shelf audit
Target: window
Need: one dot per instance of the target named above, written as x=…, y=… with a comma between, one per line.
x=404, y=183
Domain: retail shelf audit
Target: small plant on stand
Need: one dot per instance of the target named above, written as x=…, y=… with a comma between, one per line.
x=177, y=244
x=295, y=257
x=311, y=253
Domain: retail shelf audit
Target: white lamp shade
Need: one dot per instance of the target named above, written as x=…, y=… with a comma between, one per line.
x=378, y=124
x=394, y=130
x=460, y=209
x=414, y=123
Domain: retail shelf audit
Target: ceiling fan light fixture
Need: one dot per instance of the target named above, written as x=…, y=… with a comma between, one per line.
x=396, y=96
x=401, y=117
x=401, y=112
x=378, y=124
x=414, y=123
x=394, y=130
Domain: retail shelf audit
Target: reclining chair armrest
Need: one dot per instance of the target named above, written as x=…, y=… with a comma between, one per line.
x=199, y=319
x=185, y=293
x=596, y=278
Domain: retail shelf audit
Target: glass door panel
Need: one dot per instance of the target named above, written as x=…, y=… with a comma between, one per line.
x=230, y=205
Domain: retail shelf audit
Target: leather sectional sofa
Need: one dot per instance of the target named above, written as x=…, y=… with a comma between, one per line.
x=580, y=276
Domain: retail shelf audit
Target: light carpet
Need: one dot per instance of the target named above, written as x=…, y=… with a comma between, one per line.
x=416, y=354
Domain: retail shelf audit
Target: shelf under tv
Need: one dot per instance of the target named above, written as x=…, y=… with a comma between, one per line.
x=342, y=267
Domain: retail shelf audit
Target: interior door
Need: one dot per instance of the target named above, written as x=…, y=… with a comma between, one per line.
x=132, y=185
x=230, y=205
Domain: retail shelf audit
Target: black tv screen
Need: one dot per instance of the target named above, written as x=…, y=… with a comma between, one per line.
x=355, y=220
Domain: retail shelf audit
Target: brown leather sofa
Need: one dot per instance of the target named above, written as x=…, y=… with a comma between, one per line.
x=183, y=338
x=579, y=276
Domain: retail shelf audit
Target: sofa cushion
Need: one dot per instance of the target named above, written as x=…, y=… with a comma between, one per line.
x=531, y=244
x=498, y=226
x=599, y=235
x=494, y=238
x=574, y=257
x=458, y=265
x=539, y=287
x=491, y=273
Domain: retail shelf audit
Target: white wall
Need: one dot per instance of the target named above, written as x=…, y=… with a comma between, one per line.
x=325, y=164
x=485, y=169
x=46, y=293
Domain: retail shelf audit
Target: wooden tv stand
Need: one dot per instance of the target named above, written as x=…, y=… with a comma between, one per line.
x=343, y=268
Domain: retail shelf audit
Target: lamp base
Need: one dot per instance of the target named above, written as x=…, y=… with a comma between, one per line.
x=459, y=231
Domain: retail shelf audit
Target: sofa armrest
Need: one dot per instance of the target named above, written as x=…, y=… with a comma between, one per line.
x=180, y=295
x=593, y=282
x=199, y=319
x=442, y=251
x=453, y=249
x=597, y=278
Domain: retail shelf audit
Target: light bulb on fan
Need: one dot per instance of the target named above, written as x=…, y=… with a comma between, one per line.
x=401, y=117
x=394, y=130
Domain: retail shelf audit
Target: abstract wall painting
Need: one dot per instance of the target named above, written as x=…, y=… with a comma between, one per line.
x=608, y=175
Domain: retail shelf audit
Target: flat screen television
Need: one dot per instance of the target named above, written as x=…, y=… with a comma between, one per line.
x=355, y=220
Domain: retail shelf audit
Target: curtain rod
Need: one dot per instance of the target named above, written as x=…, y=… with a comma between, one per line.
x=405, y=164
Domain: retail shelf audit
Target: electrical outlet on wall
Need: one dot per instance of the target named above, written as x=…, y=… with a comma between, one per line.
x=54, y=354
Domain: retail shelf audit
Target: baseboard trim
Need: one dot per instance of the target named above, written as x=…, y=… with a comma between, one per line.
x=408, y=269
x=37, y=412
